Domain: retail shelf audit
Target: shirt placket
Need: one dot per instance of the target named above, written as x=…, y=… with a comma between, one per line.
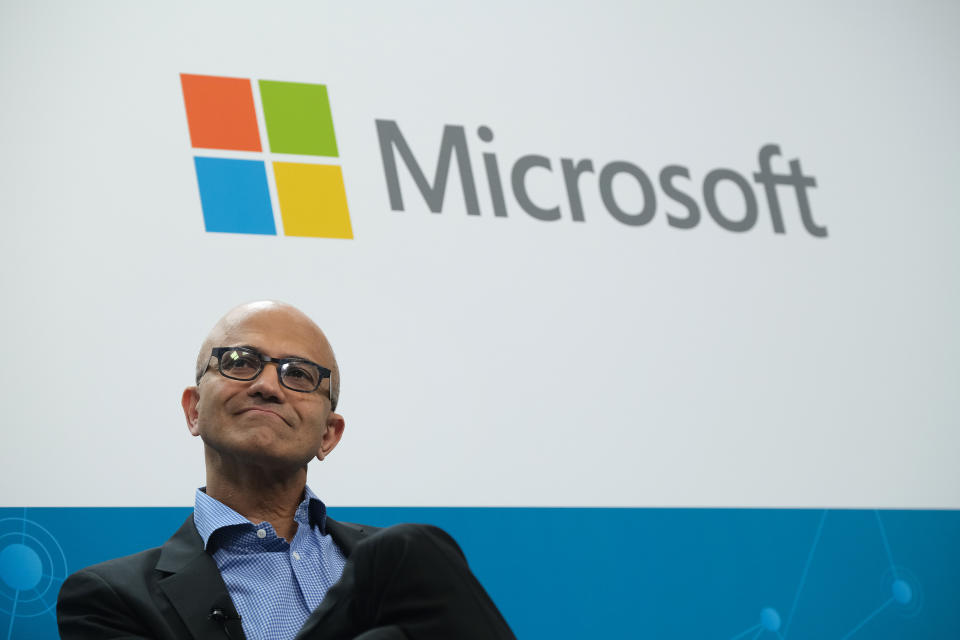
x=304, y=561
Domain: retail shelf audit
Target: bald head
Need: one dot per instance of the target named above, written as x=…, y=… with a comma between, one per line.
x=275, y=322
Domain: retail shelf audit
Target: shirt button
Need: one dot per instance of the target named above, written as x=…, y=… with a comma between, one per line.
x=296, y=556
x=261, y=534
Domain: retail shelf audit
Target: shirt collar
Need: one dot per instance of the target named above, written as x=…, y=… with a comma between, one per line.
x=316, y=510
x=211, y=515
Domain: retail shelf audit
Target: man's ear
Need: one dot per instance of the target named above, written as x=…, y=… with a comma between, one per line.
x=335, y=426
x=189, y=400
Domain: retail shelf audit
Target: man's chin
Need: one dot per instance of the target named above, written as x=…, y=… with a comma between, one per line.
x=259, y=449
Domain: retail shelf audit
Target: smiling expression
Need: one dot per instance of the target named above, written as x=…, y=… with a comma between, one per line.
x=260, y=421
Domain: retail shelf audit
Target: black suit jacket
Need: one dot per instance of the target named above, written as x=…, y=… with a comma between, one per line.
x=165, y=593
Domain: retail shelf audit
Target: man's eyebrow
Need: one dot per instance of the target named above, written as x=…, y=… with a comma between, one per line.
x=282, y=357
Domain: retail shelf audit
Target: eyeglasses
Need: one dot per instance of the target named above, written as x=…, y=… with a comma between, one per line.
x=296, y=374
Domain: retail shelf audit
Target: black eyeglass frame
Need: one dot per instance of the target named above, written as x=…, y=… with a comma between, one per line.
x=217, y=352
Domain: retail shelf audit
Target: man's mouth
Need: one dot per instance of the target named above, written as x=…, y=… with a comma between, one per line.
x=264, y=411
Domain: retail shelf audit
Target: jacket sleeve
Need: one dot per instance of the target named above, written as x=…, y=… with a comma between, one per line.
x=89, y=608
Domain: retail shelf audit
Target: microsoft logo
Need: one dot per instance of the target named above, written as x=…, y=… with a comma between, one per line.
x=239, y=183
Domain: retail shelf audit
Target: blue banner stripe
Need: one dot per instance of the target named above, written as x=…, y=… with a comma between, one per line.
x=582, y=572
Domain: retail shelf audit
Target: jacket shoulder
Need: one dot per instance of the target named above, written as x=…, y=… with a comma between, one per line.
x=123, y=597
x=105, y=600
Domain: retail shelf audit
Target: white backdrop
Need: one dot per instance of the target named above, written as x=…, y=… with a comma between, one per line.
x=501, y=361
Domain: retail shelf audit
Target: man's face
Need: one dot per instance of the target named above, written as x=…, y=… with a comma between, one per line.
x=260, y=422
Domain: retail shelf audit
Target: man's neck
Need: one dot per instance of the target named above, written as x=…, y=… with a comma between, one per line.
x=260, y=495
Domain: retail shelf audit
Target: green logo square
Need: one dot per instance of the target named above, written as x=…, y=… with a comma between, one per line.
x=298, y=118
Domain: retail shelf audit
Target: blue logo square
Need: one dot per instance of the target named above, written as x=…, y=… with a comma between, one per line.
x=235, y=196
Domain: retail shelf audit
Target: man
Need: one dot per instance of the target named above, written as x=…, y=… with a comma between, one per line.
x=259, y=558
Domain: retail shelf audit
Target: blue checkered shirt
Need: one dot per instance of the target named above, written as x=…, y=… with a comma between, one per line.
x=273, y=584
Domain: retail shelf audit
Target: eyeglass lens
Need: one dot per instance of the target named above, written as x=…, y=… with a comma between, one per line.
x=242, y=364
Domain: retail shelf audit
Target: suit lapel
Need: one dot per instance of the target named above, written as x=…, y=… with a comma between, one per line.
x=195, y=585
x=347, y=535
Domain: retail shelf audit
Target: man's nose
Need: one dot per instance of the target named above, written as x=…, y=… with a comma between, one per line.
x=267, y=384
